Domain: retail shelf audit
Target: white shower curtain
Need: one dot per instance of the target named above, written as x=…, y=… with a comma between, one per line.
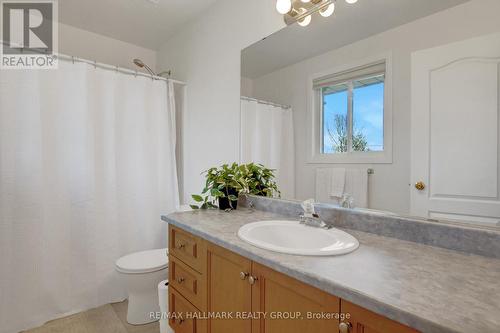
x=87, y=165
x=267, y=138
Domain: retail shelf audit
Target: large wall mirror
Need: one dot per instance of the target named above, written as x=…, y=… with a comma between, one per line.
x=388, y=116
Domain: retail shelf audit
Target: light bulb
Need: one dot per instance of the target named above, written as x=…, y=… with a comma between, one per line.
x=328, y=10
x=351, y=1
x=306, y=20
x=305, y=1
x=284, y=6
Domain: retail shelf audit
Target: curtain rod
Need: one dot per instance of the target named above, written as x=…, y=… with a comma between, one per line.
x=115, y=68
x=265, y=102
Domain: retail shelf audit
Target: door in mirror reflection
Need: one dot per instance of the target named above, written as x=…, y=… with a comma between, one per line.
x=455, y=137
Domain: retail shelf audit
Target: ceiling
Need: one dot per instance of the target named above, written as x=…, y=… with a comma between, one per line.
x=349, y=24
x=147, y=23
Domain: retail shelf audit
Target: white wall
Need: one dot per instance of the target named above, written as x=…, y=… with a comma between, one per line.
x=246, y=87
x=92, y=46
x=389, y=185
x=206, y=54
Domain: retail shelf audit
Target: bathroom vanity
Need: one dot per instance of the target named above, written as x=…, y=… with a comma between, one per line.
x=387, y=285
x=245, y=296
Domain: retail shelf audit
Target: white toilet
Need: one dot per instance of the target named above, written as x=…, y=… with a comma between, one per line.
x=142, y=271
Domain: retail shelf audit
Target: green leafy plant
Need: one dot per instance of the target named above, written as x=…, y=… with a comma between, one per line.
x=224, y=184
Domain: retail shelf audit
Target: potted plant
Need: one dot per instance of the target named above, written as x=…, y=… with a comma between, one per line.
x=224, y=184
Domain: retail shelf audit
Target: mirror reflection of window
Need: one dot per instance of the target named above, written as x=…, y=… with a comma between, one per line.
x=353, y=110
x=368, y=114
x=335, y=122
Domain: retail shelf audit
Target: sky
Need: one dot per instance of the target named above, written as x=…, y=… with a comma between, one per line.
x=367, y=113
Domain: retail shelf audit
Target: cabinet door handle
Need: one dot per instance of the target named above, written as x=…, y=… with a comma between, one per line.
x=345, y=327
x=180, y=246
x=180, y=321
x=252, y=280
x=243, y=275
x=180, y=280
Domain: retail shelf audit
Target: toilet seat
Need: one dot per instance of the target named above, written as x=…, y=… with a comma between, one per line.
x=143, y=262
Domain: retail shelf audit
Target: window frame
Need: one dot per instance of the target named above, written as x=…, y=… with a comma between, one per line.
x=315, y=116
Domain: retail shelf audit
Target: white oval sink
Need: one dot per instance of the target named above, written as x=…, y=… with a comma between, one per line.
x=291, y=237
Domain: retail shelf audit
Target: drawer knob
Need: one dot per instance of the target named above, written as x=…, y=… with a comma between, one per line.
x=180, y=321
x=252, y=280
x=345, y=327
x=243, y=275
x=180, y=280
x=180, y=246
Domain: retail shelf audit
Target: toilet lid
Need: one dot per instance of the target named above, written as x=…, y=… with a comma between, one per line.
x=143, y=262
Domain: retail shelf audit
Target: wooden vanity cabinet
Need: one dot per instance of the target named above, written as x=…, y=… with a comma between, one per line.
x=291, y=306
x=246, y=291
x=365, y=321
x=242, y=296
x=188, y=319
x=229, y=292
x=191, y=284
x=189, y=249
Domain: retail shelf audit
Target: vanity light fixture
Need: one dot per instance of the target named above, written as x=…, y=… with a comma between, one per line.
x=304, y=22
x=300, y=11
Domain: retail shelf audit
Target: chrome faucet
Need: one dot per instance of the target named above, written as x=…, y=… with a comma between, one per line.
x=310, y=218
x=313, y=221
x=347, y=201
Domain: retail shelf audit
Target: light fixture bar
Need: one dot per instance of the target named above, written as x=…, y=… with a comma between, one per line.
x=314, y=6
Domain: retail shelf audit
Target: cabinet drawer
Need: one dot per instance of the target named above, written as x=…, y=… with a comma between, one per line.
x=188, y=248
x=184, y=316
x=191, y=284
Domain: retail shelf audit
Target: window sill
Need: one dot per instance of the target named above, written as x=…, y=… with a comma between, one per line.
x=384, y=157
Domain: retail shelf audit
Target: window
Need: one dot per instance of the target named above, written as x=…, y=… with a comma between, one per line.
x=350, y=117
x=352, y=110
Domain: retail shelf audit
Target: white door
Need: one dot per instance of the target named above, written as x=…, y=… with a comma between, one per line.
x=455, y=137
